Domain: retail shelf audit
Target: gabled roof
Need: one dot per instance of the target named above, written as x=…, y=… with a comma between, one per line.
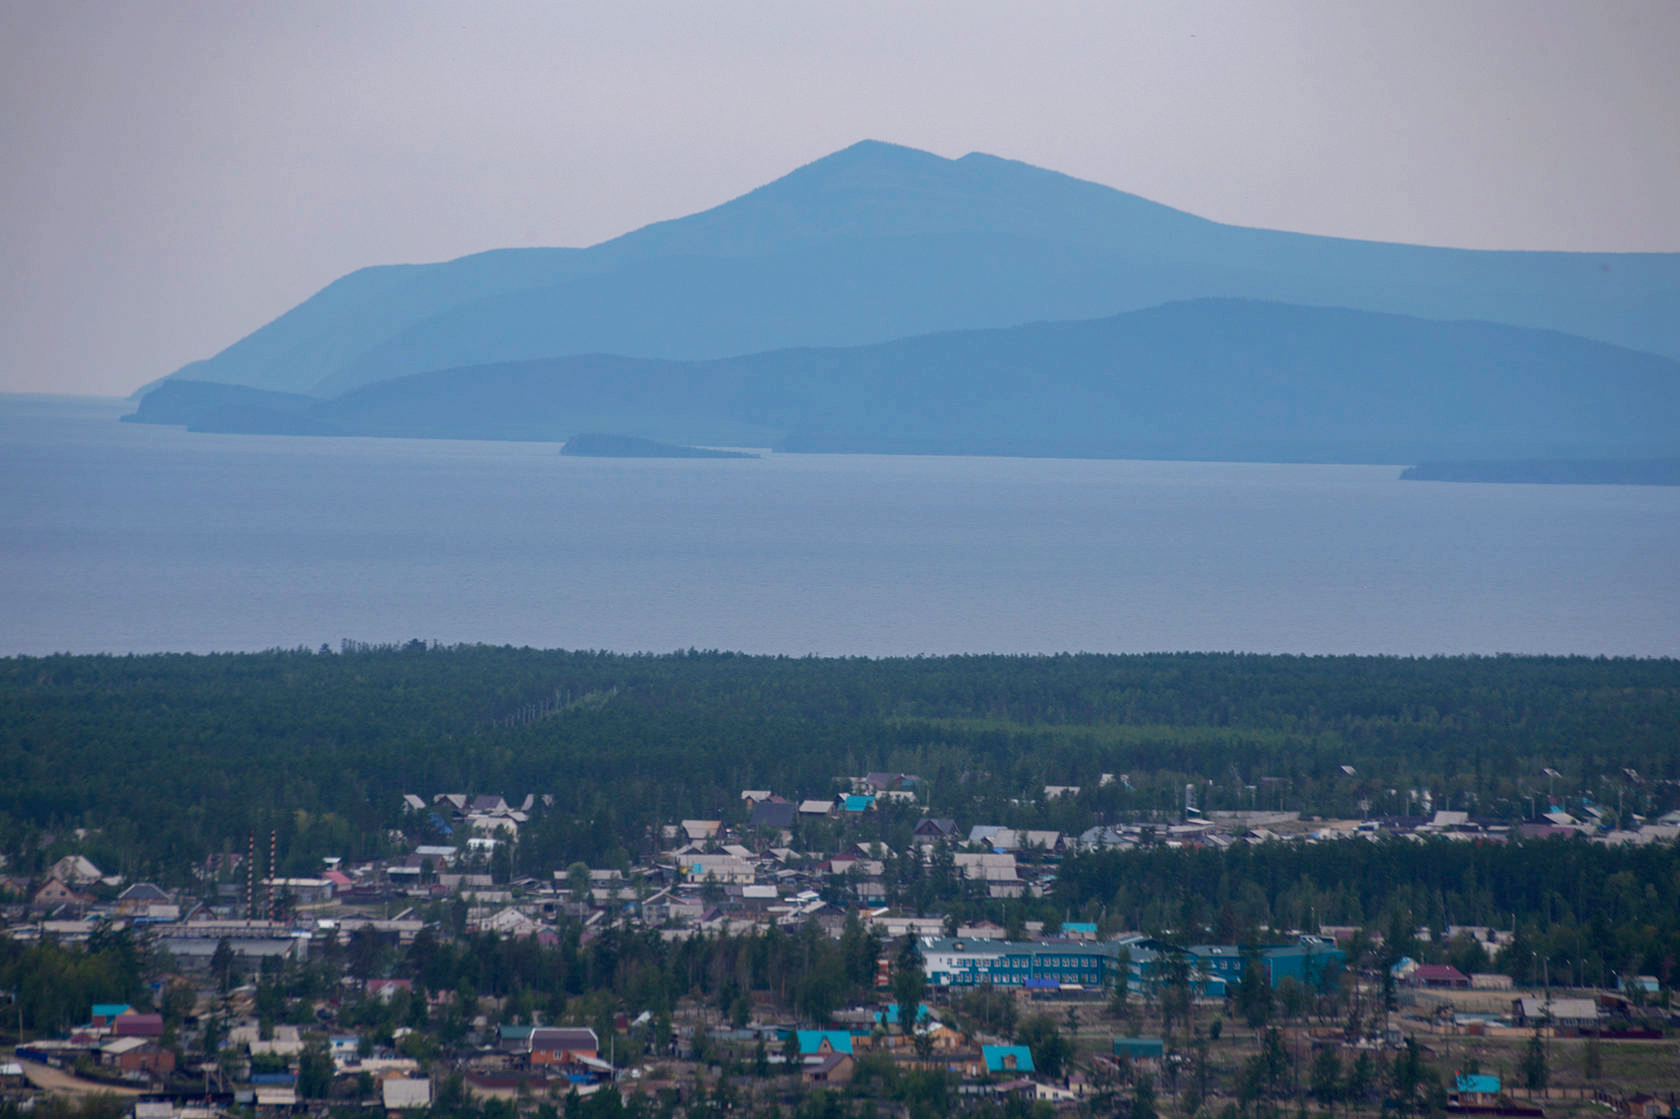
x=574, y=1039
x=935, y=825
x=889, y=1016
x=773, y=814
x=142, y=891
x=811, y=1041
x=76, y=870
x=1007, y=1058
x=1139, y=1047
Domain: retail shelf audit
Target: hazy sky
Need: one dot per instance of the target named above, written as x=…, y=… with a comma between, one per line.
x=176, y=174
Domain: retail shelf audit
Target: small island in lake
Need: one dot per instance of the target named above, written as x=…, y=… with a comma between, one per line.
x=630, y=446
x=1562, y=472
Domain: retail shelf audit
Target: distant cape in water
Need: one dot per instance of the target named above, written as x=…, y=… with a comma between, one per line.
x=1564, y=472
x=1207, y=379
x=596, y=445
x=887, y=299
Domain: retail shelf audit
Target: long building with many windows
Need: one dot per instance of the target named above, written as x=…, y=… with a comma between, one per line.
x=1209, y=968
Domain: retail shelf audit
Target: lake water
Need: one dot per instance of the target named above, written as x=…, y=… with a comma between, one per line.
x=122, y=537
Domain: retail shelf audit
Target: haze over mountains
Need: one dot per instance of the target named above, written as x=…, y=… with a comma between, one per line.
x=762, y=321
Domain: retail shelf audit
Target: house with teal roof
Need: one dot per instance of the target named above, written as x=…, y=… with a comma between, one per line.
x=1476, y=1089
x=857, y=802
x=1006, y=1059
x=889, y=1016
x=820, y=1043
x=1141, y=1049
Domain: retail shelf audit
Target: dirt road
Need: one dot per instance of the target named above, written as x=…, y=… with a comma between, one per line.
x=51, y=1079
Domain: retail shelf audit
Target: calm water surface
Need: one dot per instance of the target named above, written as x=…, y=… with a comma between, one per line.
x=122, y=537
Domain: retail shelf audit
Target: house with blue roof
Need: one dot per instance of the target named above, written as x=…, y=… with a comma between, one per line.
x=106, y=1013
x=889, y=1016
x=820, y=1043
x=1007, y=1059
x=1476, y=1089
x=1145, y=1050
x=858, y=802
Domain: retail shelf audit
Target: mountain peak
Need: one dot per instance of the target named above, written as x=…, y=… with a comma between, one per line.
x=881, y=153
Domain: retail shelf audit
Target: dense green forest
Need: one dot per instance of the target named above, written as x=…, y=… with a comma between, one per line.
x=172, y=757
x=1587, y=912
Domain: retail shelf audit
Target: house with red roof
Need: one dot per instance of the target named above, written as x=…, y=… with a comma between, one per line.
x=1439, y=975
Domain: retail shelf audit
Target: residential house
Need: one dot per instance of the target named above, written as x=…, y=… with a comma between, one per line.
x=143, y=901
x=555, y=1045
x=830, y=1068
x=441, y=854
x=1007, y=1060
x=986, y=867
x=510, y=922
x=75, y=870
x=934, y=829
x=1476, y=1090
x=1566, y=1014
x=718, y=868
x=773, y=813
x=1043, y=842
x=105, y=1013
x=401, y=1093
x=1143, y=1052
x=132, y=1023
x=1443, y=976
x=1643, y=1105
x=821, y=1043
x=137, y=1055
x=56, y=894
x=698, y=831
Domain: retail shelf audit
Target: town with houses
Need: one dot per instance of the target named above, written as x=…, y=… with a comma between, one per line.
x=204, y=1047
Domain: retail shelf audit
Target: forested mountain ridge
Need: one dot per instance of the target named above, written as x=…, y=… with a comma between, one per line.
x=877, y=242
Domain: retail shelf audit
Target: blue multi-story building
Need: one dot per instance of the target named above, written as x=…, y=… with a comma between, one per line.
x=1211, y=968
x=963, y=962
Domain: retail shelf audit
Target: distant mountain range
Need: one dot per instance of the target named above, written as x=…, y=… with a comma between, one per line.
x=1205, y=379
x=884, y=298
